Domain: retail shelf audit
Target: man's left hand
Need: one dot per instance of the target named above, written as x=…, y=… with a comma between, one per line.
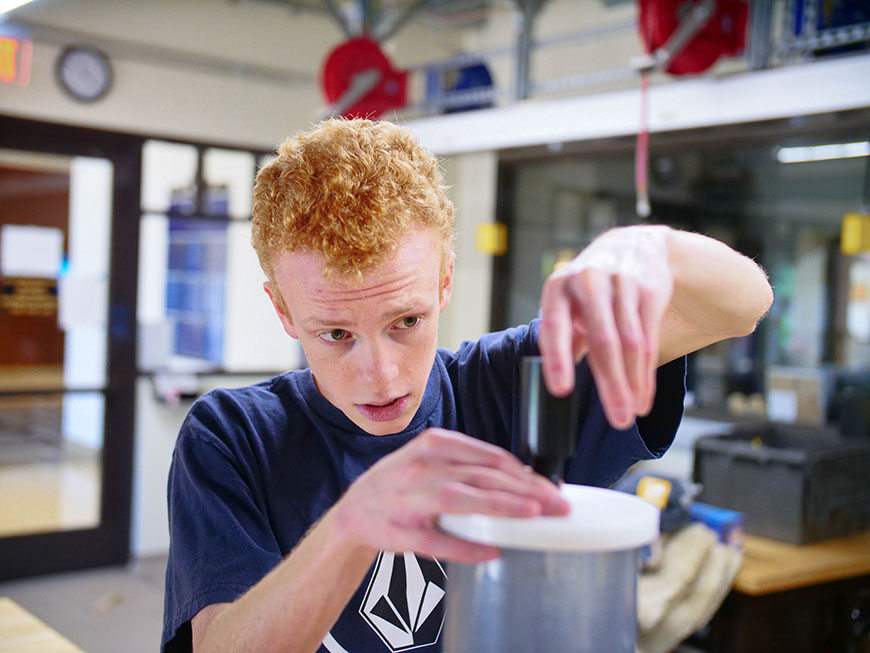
x=609, y=303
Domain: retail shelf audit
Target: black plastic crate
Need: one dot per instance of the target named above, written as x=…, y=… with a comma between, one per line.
x=793, y=484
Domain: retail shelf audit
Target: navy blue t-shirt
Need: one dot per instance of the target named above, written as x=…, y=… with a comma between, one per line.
x=255, y=467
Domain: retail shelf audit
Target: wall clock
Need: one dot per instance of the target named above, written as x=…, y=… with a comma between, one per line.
x=84, y=73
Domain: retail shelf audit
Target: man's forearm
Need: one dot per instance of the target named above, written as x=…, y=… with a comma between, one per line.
x=636, y=298
x=717, y=292
x=717, y=289
x=296, y=604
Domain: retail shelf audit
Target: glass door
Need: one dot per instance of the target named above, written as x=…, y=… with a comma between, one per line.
x=68, y=249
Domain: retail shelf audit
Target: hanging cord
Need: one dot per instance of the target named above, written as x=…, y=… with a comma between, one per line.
x=641, y=153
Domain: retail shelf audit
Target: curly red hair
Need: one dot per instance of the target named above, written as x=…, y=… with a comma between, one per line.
x=349, y=190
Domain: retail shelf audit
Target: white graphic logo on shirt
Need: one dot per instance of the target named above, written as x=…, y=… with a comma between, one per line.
x=404, y=600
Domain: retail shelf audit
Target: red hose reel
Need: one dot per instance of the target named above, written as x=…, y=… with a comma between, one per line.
x=359, y=81
x=724, y=33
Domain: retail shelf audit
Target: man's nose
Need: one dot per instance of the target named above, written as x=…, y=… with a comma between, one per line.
x=380, y=366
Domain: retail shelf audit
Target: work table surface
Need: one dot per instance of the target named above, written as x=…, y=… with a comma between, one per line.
x=773, y=566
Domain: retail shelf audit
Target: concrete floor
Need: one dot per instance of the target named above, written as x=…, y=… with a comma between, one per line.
x=104, y=610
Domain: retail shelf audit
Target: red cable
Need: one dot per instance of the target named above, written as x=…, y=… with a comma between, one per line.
x=641, y=155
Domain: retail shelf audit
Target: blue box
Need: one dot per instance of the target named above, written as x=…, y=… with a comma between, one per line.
x=728, y=524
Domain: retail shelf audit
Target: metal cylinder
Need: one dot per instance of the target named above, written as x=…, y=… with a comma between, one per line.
x=532, y=601
x=561, y=584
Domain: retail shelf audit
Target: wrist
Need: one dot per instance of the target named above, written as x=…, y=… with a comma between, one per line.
x=345, y=527
x=623, y=249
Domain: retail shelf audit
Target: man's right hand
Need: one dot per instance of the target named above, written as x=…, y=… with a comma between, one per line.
x=395, y=505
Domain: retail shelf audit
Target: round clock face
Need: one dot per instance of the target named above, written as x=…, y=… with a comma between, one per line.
x=85, y=74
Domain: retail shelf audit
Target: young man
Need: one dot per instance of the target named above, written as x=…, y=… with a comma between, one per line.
x=303, y=509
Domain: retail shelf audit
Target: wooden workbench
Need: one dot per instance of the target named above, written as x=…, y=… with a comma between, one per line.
x=772, y=566
x=21, y=632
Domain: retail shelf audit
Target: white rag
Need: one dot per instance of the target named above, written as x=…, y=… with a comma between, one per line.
x=684, y=592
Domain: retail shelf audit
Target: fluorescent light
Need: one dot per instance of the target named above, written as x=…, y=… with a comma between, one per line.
x=9, y=5
x=822, y=152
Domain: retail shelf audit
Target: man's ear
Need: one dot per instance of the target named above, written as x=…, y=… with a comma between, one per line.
x=447, y=281
x=275, y=298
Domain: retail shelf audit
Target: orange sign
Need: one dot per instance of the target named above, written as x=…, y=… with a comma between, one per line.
x=16, y=50
x=8, y=59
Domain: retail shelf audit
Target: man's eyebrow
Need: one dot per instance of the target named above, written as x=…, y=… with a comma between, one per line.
x=408, y=309
x=413, y=307
x=315, y=321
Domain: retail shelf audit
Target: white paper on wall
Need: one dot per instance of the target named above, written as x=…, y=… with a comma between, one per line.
x=30, y=251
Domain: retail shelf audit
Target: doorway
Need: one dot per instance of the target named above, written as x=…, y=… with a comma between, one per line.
x=69, y=202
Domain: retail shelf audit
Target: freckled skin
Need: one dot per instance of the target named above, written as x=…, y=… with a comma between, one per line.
x=370, y=340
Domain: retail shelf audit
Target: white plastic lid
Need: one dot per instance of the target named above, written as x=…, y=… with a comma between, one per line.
x=600, y=520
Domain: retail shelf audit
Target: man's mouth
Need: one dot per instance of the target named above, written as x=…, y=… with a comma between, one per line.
x=384, y=411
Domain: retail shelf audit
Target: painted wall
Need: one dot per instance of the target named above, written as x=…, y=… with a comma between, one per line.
x=162, y=99
x=472, y=181
x=154, y=95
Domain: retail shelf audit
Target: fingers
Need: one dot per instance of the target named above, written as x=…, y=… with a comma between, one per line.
x=440, y=462
x=453, y=497
x=610, y=300
x=555, y=338
x=652, y=311
x=614, y=321
x=394, y=505
x=594, y=296
x=635, y=343
x=445, y=446
x=580, y=343
x=432, y=542
x=466, y=488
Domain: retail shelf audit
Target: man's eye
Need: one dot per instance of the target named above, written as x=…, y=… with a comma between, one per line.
x=334, y=335
x=409, y=322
